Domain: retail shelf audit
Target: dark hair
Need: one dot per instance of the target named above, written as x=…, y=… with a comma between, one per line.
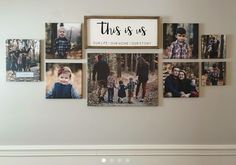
x=180, y=30
x=120, y=82
x=174, y=68
x=99, y=57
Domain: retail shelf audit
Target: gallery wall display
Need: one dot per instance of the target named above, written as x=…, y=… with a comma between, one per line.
x=63, y=40
x=180, y=40
x=181, y=79
x=23, y=60
x=213, y=73
x=213, y=46
x=64, y=80
x=121, y=32
x=120, y=79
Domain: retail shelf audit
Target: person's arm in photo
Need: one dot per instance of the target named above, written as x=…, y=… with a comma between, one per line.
x=189, y=51
x=170, y=88
x=74, y=94
x=50, y=93
x=170, y=50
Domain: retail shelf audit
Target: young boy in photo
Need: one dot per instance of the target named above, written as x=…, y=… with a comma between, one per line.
x=63, y=88
x=61, y=44
x=179, y=49
x=131, y=86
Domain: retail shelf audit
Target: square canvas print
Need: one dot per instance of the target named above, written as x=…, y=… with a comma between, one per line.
x=23, y=60
x=120, y=79
x=180, y=41
x=181, y=79
x=213, y=73
x=64, y=80
x=213, y=46
x=63, y=41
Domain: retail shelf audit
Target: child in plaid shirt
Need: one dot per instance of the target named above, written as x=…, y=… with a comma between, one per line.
x=61, y=44
x=179, y=49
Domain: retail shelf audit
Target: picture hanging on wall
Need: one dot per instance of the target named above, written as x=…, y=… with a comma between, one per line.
x=120, y=79
x=63, y=40
x=64, y=80
x=122, y=32
x=180, y=40
x=213, y=46
x=181, y=79
x=23, y=60
x=213, y=73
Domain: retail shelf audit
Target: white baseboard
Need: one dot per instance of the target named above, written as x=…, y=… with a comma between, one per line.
x=116, y=150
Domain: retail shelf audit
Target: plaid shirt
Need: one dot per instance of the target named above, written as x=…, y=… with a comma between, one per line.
x=131, y=86
x=179, y=51
x=61, y=46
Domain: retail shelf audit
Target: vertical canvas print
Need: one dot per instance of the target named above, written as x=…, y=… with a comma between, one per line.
x=63, y=41
x=122, y=79
x=213, y=73
x=213, y=46
x=23, y=60
x=180, y=41
x=64, y=80
x=181, y=79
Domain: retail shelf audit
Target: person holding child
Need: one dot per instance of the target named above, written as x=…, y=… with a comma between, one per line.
x=63, y=88
x=179, y=49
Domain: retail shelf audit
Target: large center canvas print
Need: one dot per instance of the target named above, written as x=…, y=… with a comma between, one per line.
x=116, y=79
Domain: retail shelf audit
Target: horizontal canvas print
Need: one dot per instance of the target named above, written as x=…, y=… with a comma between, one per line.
x=64, y=80
x=181, y=79
x=63, y=41
x=213, y=46
x=23, y=60
x=122, y=79
x=213, y=73
x=180, y=41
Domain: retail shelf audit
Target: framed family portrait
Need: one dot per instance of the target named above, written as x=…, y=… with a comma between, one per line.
x=63, y=40
x=180, y=79
x=213, y=73
x=122, y=31
x=213, y=46
x=180, y=40
x=121, y=79
x=64, y=80
x=23, y=60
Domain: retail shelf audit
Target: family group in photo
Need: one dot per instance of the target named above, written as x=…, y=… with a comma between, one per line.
x=107, y=82
x=108, y=86
x=178, y=84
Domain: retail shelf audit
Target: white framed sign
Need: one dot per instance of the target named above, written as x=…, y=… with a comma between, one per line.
x=122, y=32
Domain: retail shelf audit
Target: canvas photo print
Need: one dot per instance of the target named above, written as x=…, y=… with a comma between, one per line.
x=180, y=79
x=213, y=46
x=63, y=41
x=120, y=79
x=180, y=41
x=63, y=80
x=23, y=60
x=213, y=73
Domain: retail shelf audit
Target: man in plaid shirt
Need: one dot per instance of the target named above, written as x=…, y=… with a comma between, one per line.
x=61, y=44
